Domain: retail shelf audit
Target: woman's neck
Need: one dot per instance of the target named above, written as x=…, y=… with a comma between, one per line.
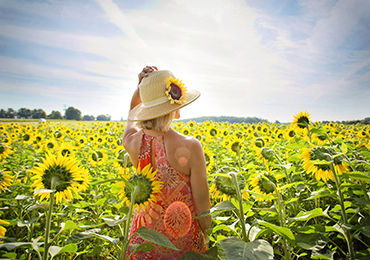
x=153, y=132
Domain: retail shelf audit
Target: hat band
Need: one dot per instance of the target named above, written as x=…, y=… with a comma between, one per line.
x=155, y=102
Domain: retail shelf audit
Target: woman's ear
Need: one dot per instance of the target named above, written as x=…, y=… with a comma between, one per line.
x=177, y=114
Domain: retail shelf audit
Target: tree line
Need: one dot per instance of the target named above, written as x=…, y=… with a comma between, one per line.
x=70, y=113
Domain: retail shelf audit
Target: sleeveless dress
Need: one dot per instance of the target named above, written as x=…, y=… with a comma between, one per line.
x=171, y=213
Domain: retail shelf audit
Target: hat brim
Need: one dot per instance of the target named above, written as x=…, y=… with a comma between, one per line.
x=141, y=113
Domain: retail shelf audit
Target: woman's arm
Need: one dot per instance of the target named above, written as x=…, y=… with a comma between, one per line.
x=135, y=100
x=199, y=184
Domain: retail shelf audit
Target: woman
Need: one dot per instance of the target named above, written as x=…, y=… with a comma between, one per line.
x=178, y=159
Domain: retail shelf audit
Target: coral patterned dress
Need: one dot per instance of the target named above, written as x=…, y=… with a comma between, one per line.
x=171, y=213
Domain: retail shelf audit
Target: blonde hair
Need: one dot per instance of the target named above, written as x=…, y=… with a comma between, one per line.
x=161, y=124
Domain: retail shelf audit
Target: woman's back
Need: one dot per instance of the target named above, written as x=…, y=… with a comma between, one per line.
x=171, y=213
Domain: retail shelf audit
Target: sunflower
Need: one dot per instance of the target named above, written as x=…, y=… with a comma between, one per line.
x=235, y=145
x=185, y=131
x=50, y=145
x=176, y=91
x=145, y=184
x=68, y=176
x=81, y=141
x=265, y=155
x=98, y=157
x=5, y=180
x=66, y=149
x=223, y=188
x=322, y=171
x=122, y=159
x=263, y=183
x=4, y=151
x=210, y=162
x=301, y=120
x=2, y=229
x=290, y=133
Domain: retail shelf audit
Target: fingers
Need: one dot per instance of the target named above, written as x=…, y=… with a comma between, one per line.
x=145, y=72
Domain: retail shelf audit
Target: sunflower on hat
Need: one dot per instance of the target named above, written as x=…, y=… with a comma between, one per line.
x=176, y=91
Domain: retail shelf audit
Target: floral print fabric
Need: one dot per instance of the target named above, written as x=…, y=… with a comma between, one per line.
x=173, y=210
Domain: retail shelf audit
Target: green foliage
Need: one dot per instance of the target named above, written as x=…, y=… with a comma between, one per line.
x=72, y=114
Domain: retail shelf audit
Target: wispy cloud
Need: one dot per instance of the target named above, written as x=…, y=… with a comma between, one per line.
x=248, y=59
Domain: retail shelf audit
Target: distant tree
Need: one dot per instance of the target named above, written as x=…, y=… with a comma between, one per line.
x=2, y=113
x=72, y=114
x=38, y=113
x=88, y=118
x=55, y=115
x=366, y=121
x=24, y=113
x=103, y=118
x=11, y=113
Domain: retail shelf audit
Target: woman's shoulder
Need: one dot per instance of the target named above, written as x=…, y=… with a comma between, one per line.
x=185, y=141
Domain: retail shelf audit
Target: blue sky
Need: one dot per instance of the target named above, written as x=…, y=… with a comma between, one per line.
x=266, y=59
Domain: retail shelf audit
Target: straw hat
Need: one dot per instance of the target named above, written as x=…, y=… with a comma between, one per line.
x=161, y=93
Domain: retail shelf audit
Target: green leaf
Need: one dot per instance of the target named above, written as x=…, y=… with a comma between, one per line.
x=357, y=176
x=294, y=158
x=22, y=197
x=344, y=148
x=223, y=206
x=145, y=247
x=82, y=235
x=11, y=246
x=236, y=249
x=114, y=241
x=56, y=250
x=319, y=194
x=43, y=191
x=313, y=242
x=24, y=223
x=282, y=231
x=101, y=202
x=155, y=237
x=223, y=227
x=329, y=255
x=191, y=255
x=69, y=225
x=366, y=231
x=308, y=215
x=113, y=222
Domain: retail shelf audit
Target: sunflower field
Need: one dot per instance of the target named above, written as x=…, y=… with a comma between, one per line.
x=278, y=191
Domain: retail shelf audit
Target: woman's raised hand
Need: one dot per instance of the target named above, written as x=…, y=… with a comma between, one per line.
x=145, y=72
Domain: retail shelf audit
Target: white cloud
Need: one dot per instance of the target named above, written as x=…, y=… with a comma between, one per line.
x=213, y=46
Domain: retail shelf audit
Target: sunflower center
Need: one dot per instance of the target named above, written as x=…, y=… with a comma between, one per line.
x=213, y=132
x=26, y=137
x=291, y=133
x=235, y=147
x=303, y=122
x=59, y=172
x=2, y=149
x=65, y=152
x=175, y=92
x=226, y=186
x=143, y=186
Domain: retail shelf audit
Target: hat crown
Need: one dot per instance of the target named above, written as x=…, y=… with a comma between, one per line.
x=153, y=88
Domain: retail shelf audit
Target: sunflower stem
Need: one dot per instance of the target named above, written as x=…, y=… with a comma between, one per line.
x=126, y=238
x=281, y=212
x=241, y=209
x=48, y=220
x=347, y=232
